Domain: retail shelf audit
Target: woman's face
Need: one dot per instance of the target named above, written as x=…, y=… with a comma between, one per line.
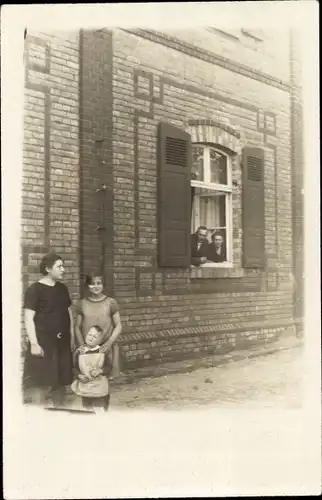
x=96, y=285
x=57, y=271
x=218, y=241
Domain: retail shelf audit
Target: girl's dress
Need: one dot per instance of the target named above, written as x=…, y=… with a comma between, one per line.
x=87, y=361
x=52, y=324
x=97, y=313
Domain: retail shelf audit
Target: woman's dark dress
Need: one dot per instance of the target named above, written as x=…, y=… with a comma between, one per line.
x=50, y=304
x=213, y=256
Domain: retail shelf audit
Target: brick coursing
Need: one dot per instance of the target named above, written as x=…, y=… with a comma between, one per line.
x=161, y=350
x=96, y=167
x=237, y=58
x=179, y=89
x=50, y=180
x=123, y=86
x=297, y=178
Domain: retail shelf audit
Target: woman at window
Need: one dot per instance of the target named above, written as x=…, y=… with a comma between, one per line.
x=217, y=248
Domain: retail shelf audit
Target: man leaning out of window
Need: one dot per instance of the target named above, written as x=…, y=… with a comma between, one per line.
x=199, y=246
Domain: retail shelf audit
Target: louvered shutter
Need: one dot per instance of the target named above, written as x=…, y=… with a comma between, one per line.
x=174, y=196
x=253, y=208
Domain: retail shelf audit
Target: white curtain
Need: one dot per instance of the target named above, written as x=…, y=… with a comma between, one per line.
x=206, y=212
x=209, y=211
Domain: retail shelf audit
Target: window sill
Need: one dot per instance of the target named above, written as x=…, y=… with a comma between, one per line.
x=217, y=265
x=216, y=271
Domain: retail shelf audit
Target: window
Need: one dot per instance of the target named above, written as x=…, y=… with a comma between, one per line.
x=212, y=202
x=191, y=168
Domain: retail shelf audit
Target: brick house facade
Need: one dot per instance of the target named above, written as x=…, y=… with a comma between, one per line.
x=112, y=118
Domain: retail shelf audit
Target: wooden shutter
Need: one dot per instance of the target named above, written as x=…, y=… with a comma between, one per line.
x=253, y=208
x=192, y=190
x=174, y=196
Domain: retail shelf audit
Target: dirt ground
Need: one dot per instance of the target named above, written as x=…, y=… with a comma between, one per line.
x=267, y=381
x=270, y=381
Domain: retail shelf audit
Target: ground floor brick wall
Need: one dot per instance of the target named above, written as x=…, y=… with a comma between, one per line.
x=150, y=314
x=203, y=323
x=297, y=180
x=50, y=176
x=96, y=161
x=136, y=353
x=94, y=100
x=177, y=88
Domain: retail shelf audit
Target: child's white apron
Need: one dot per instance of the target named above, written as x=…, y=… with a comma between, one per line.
x=94, y=388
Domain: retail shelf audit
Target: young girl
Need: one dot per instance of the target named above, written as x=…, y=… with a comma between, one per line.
x=98, y=309
x=93, y=368
x=49, y=326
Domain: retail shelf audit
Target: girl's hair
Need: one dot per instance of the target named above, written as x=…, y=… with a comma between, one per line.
x=97, y=328
x=48, y=261
x=91, y=275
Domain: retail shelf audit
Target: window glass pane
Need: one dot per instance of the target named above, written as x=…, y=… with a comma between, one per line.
x=218, y=167
x=212, y=211
x=197, y=164
x=209, y=210
x=222, y=210
x=215, y=213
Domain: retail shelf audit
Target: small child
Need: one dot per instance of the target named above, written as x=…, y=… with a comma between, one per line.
x=93, y=368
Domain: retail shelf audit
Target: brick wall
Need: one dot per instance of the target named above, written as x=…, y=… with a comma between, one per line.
x=268, y=54
x=50, y=185
x=152, y=83
x=96, y=168
x=297, y=178
x=90, y=180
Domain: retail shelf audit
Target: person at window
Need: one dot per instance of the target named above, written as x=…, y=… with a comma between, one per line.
x=217, y=248
x=199, y=246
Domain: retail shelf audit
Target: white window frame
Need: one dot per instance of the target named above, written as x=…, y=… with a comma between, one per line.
x=223, y=188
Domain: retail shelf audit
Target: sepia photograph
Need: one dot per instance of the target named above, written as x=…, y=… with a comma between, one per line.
x=162, y=217
x=161, y=220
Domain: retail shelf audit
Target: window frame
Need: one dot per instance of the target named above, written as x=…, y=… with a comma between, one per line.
x=227, y=189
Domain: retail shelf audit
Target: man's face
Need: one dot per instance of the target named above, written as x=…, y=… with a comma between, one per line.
x=218, y=241
x=202, y=234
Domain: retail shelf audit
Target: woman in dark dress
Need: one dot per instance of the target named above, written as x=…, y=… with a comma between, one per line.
x=50, y=330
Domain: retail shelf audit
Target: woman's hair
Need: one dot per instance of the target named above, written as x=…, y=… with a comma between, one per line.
x=216, y=233
x=48, y=261
x=91, y=275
